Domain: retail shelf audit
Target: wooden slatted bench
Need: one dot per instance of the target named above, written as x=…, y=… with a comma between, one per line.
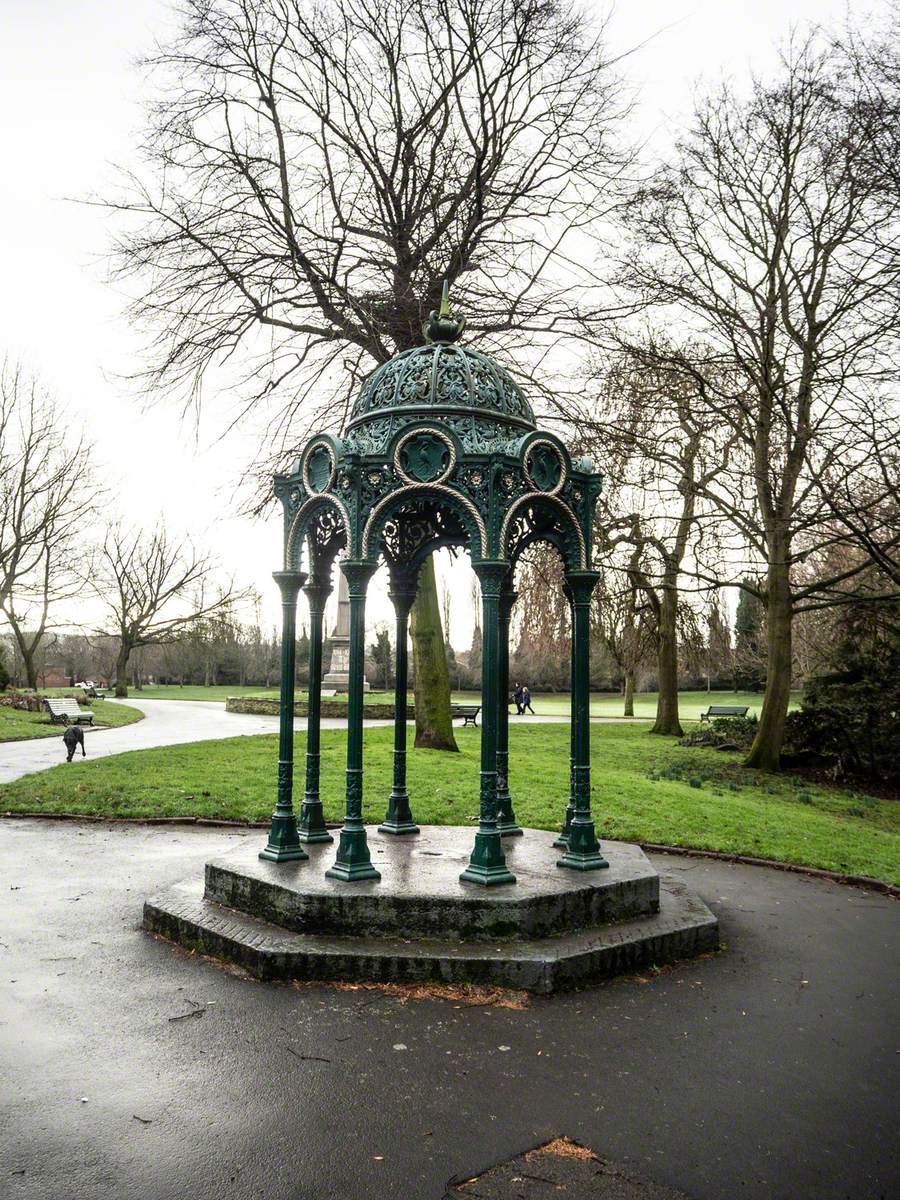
x=67, y=712
x=725, y=710
x=468, y=711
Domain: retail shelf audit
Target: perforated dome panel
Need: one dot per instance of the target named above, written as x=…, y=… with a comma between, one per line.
x=436, y=378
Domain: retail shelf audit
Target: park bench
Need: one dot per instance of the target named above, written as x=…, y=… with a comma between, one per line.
x=67, y=712
x=725, y=710
x=468, y=711
x=90, y=689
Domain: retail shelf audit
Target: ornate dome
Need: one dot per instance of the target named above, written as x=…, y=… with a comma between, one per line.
x=441, y=378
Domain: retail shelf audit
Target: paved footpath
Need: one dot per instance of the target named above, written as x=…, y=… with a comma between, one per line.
x=170, y=723
x=766, y=1073
x=165, y=723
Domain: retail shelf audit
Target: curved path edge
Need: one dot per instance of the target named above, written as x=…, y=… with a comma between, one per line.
x=864, y=881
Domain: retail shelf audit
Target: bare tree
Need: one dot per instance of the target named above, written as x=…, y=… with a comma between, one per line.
x=778, y=243
x=316, y=173
x=47, y=497
x=153, y=588
x=664, y=453
x=627, y=628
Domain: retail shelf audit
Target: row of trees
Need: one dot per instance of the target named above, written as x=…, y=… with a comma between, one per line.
x=148, y=587
x=315, y=177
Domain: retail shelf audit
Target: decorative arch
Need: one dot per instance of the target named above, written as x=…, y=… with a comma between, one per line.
x=303, y=519
x=568, y=537
x=468, y=514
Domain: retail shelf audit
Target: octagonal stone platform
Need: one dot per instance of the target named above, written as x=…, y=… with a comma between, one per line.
x=553, y=928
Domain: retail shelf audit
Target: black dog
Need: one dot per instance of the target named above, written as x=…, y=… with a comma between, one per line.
x=74, y=736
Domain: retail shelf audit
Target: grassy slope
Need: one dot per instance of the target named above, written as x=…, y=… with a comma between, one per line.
x=764, y=816
x=17, y=726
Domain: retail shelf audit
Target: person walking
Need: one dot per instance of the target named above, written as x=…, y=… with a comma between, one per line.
x=74, y=737
x=517, y=696
x=526, y=700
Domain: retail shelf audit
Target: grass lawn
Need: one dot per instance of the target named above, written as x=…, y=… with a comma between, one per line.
x=645, y=789
x=603, y=704
x=16, y=726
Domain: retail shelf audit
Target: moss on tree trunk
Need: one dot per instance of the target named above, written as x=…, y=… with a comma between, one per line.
x=629, y=694
x=122, y=672
x=434, y=725
x=765, y=753
x=667, y=720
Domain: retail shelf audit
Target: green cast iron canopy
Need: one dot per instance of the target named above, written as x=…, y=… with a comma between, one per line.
x=442, y=378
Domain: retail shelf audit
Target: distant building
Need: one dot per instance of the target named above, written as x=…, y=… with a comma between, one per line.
x=53, y=675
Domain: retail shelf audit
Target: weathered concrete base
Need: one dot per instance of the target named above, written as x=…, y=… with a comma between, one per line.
x=552, y=929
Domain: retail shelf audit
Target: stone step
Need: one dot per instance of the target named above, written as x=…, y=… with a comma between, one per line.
x=682, y=927
x=420, y=893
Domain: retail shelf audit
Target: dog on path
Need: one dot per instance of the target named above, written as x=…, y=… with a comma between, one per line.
x=74, y=737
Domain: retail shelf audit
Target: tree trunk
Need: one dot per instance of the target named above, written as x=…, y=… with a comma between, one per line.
x=765, y=753
x=30, y=669
x=122, y=670
x=28, y=652
x=434, y=725
x=667, y=721
x=629, y=694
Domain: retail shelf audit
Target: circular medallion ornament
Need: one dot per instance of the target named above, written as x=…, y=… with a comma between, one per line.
x=544, y=467
x=318, y=468
x=424, y=456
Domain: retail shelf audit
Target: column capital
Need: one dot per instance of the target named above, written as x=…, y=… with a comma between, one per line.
x=317, y=592
x=402, y=602
x=402, y=591
x=507, y=600
x=289, y=583
x=358, y=572
x=580, y=585
x=491, y=575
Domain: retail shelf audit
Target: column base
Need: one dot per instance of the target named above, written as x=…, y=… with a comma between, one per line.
x=396, y=828
x=283, y=854
x=487, y=865
x=313, y=836
x=509, y=828
x=583, y=850
x=582, y=862
x=507, y=825
x=562, y=842
x=284, y=842
x=398, y=819
x=311, y=827
x=353, y=862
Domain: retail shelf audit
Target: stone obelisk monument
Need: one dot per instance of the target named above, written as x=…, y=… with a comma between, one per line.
x=338, y=677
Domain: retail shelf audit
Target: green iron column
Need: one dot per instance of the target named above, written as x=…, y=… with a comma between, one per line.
x=583, y=850
x=353, y=861
x=506, y=817
x=562, y=841
x=399, y=818
x=487, y=865
x=284, y=843
x=312, y=818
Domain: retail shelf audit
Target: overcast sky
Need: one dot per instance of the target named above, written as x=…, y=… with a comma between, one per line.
x=70, y=95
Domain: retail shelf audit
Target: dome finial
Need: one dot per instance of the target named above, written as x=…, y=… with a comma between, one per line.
x=442, y=326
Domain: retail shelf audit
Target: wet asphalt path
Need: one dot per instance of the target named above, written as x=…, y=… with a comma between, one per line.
x=768, y=1072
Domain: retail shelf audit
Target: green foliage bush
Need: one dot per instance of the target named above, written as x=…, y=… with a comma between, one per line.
x=850, y=716
x=734, y=732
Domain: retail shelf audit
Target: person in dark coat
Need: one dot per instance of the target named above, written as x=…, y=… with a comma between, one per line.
x=517, y=696
x=526, y=700
x=74, y=737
